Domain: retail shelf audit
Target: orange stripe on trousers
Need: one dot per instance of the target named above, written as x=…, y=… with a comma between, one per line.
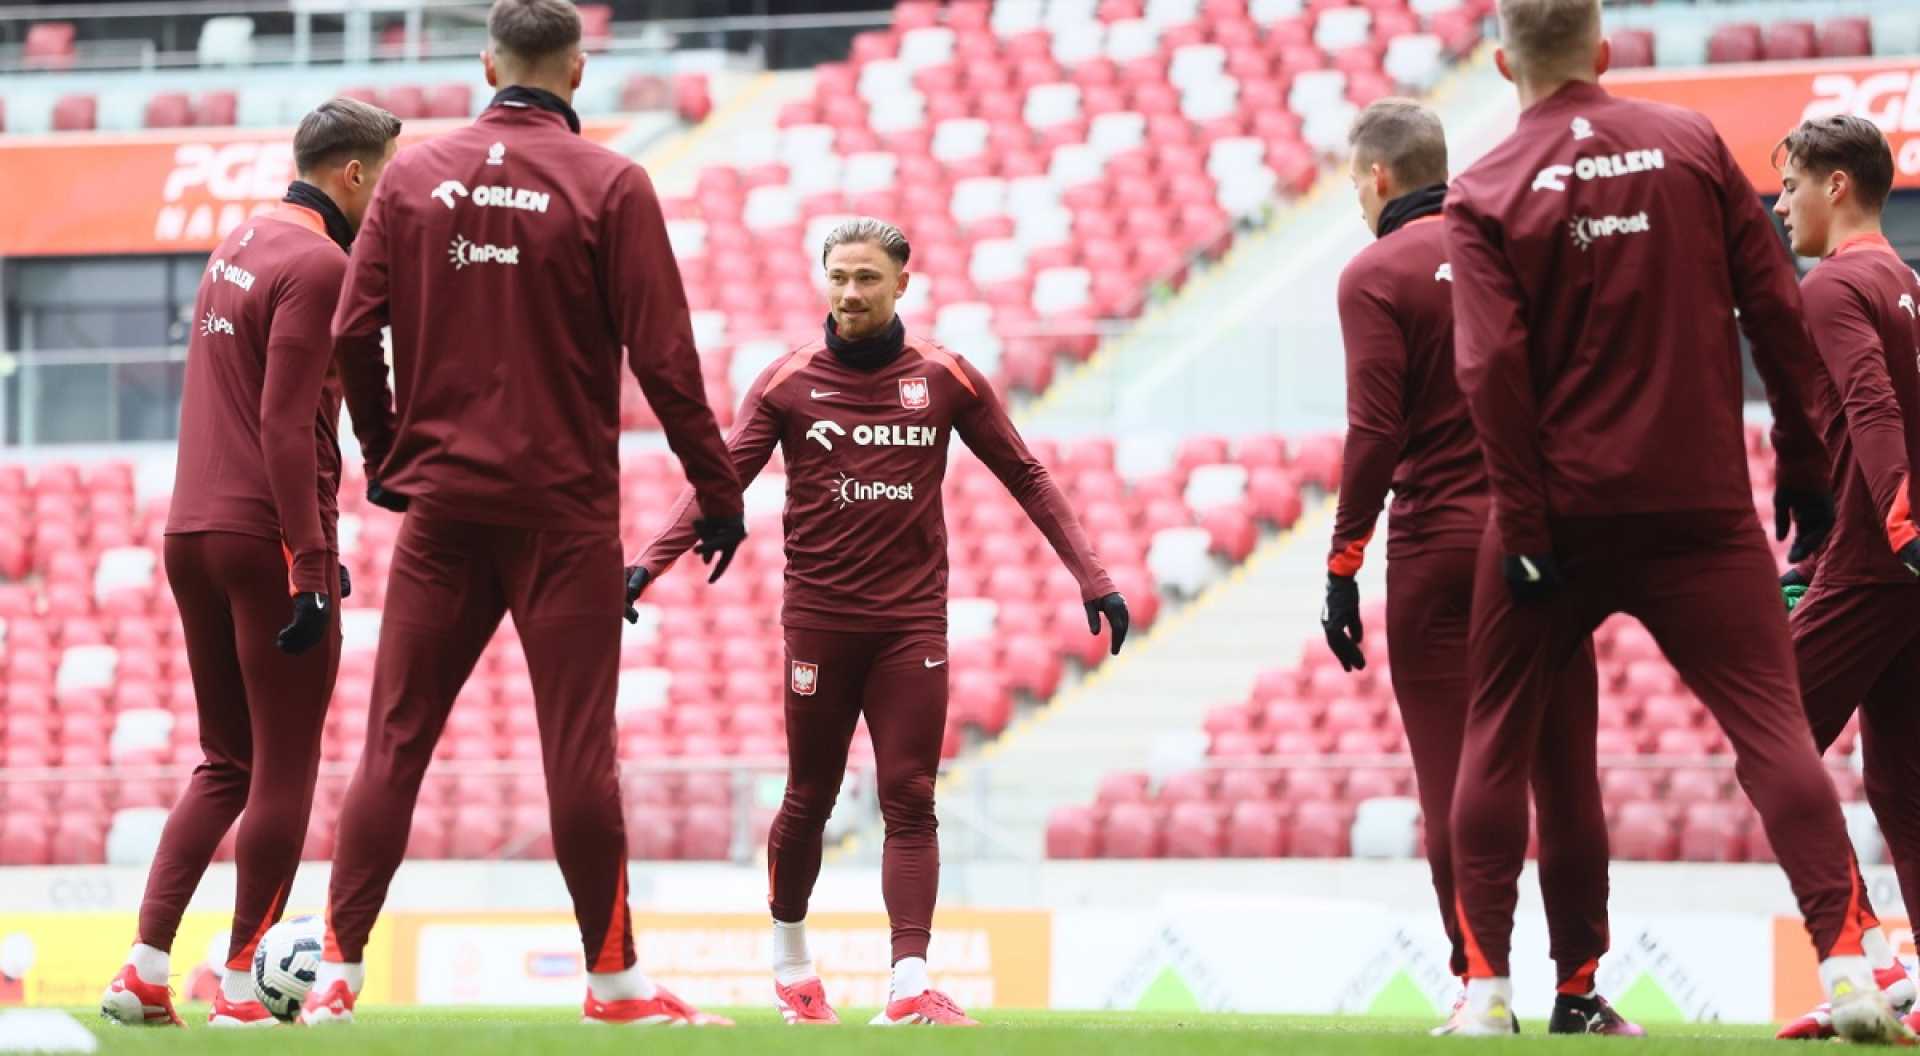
x=243, y=960
x=1477, y=966
x=612, y=949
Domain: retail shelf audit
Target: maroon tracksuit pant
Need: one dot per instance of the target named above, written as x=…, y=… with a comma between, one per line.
x=261, y=717
x=1705, y=585
x=451, y=581
x=1429, y=605
x=898, y=680
x=1858, y=647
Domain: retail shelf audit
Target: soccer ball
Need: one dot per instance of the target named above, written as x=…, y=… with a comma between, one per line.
x=284, y=963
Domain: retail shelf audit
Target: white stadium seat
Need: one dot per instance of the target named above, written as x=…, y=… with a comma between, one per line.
x=687, y=237
x=997, y=260
x=1013, y=17
x=1213, y=486
x=875, y=170
x=926, y=46
x=1196, y=62
x=1179, y=560
x=899, y=113
x=86, y=667
x=959, y=138
x=359, y=630
x=134, y=835
x=971, y=619
x=1415, y=60
x=1325, y=129
x=226, y=41
x=1130, y=39
x=1211, y=100
x=1075, y=45
x=123, y=567
x=1059, y=290
x=1313, y=89
x=139, y=730
x=1117, y=131
x=884, y=79
x=978, y=197
x=1341, y=28
x=1267, y=12
x=1051, y=104
x=1386, y=827
x=774, y=205
x=641, y=689
x=709, y=328
x=1076, y=164
x=1172, y=12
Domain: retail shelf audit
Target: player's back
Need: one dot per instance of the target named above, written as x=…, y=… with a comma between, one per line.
x=1612, y=216
x=1440, y=483
x=220, y=480
x=1861, y=297
x=506, y=359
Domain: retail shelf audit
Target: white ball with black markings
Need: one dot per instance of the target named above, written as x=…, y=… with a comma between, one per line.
x=284, y=964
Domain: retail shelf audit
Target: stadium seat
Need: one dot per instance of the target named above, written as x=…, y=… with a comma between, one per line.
x=75, y=113
x=1632, y=48
x=48, y=46
x=1845, y=38
x=1132, y=830
x=1071, y=833
x=1735, y=42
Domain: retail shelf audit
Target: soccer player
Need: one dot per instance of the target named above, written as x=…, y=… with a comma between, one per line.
x=1856, y=634
x=863, y=420
x=513, y=259
x=1599, y=254
x=1408, y=429
x=252, y=556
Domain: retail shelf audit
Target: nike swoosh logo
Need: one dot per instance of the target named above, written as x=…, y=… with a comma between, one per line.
x=818, y=395
x=933, y=663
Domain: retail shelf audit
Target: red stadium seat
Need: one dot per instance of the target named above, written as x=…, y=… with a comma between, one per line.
x=1632, y=48
x=1735, y=42
x=1787, y=40
x=1071, y=833
x=1321, y=830
x=1195, y=830
x=49, y=46
x=1845, y=38
x=75, y=113
x=1132, y=830
x=1643, y=831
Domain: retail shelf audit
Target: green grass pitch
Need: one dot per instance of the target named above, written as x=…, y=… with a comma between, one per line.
x=539, y=1032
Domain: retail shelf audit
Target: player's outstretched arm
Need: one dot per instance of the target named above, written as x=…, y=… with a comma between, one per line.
x=357, y=320
x=1376, y=437
x=1767, y=292
x=641, y=283
x=756, y=430
x=989, y=433
x=1496, y=375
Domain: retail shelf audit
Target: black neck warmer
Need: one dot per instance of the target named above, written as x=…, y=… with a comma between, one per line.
x=1410, y=207
x=539, y=99
x=872, y=352
x=305, y=194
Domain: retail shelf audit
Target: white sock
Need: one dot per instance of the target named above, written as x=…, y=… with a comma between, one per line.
x=792, y=963
x=237, y=985
x=630, y=985
x=1851, y=970
x=1879, y=951
x=910, y=978
x=330, y=972
x=150, y=963
x=1483, y=994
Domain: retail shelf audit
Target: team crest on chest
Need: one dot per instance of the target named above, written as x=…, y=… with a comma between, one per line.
x=805, y=678
x=913, y=394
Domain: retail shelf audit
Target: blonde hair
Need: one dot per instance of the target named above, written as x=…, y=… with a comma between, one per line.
x=1549, y=37
x=1404, y=137
x=869, y=229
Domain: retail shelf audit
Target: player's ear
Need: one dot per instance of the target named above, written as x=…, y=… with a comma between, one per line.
x=1381, y=182
x=1500, y=62
x=352, y=173
x=1603, y=58
x=579, y=67
x=486, y=62
x=1838, y=184
x=900, y=288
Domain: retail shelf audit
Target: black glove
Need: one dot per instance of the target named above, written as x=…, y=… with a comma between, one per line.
x=1115, y=608
x=386, y=500
x=719, y=536
x=346, y=584
x=1340, y=619
x=1909, y=556
x=637, y=580
x=1532, y=577
x=1810, y=511
x=310, y=616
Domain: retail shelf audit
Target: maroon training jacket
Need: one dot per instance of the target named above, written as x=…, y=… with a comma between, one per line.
x=260, y=411
x=866, y=451
x=513, y=259
x=1407, y=425
x=1598, y=256
x=1862, y=304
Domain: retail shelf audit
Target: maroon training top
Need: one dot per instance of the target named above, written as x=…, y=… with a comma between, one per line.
x=258, y=452
x=1598, y=256
x=513, y=259
x=1861, y=305
x=866, y=451
x=1407, y=425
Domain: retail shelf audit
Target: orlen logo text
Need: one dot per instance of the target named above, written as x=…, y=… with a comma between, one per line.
x=1588, y=229
x=875, y=435
x=847, y=491
x=1599, y=167
x=1888, y=98
x=463, y=252
x=233, y=273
